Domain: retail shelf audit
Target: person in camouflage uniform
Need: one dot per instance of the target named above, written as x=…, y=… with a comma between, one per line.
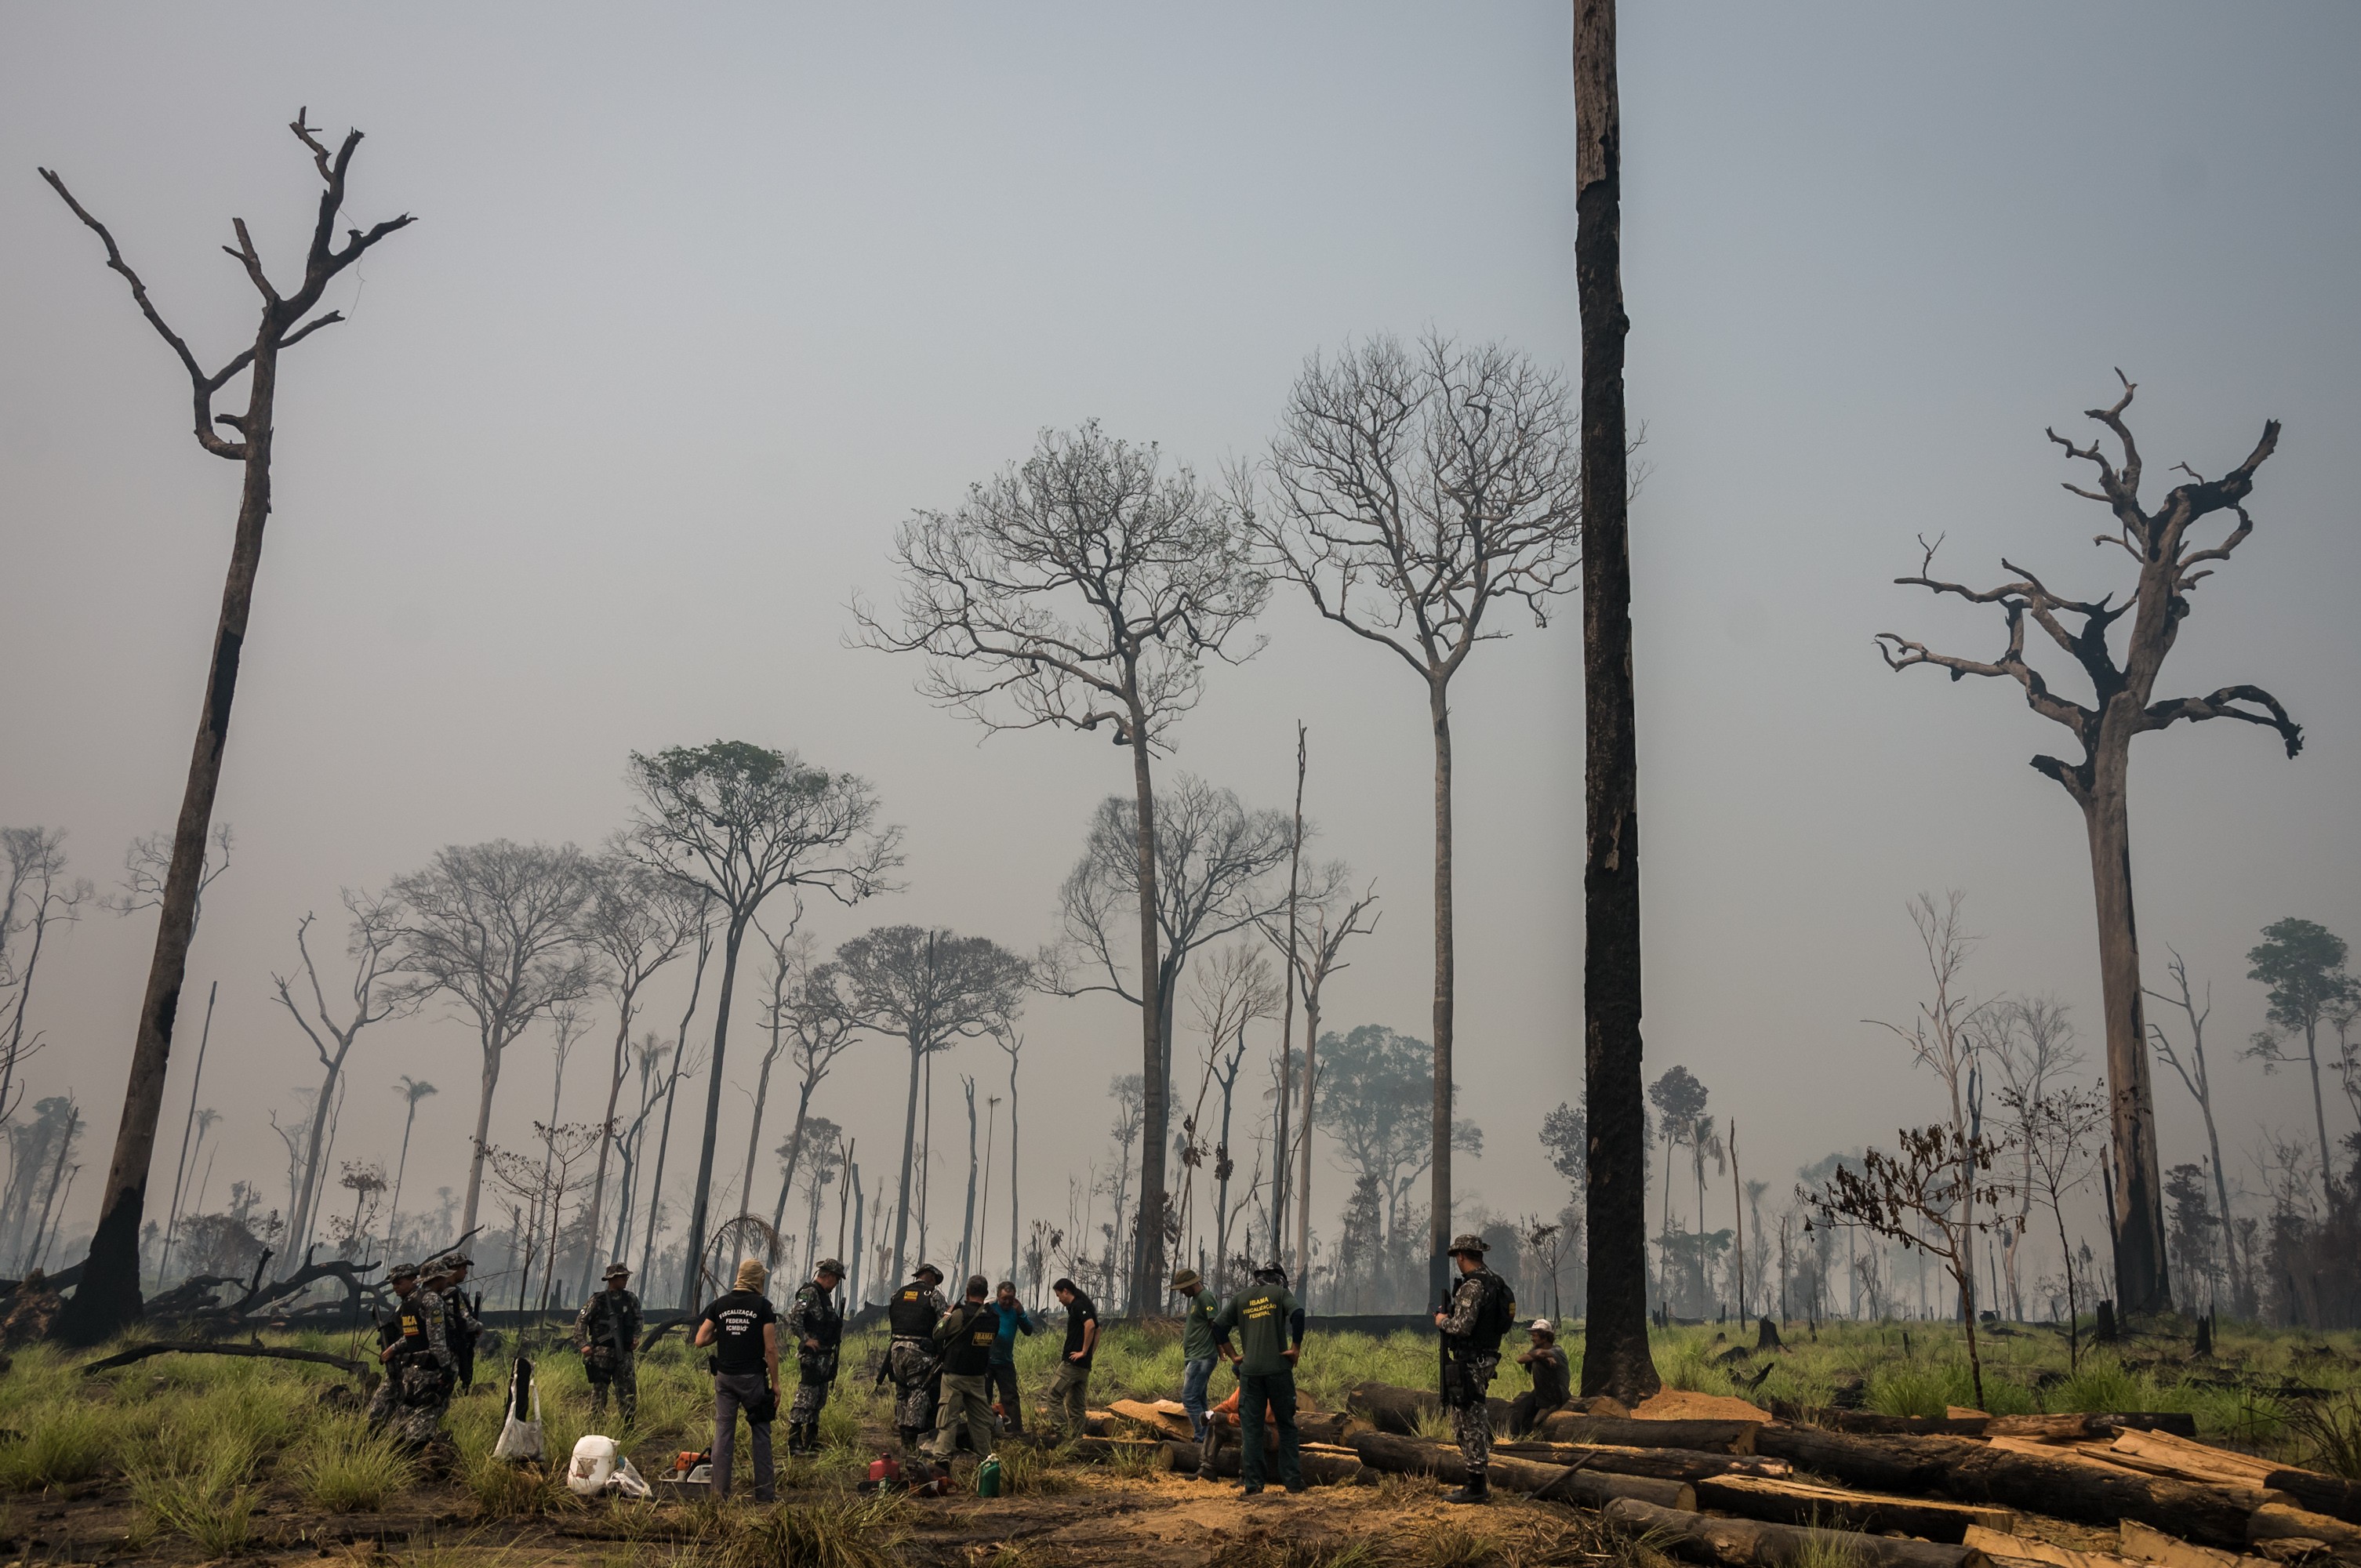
x=815, y=1327
x=911, y=1360
x=606, y=1332
x=1472, y=1322
x=447, y=1277
x=419, y=1367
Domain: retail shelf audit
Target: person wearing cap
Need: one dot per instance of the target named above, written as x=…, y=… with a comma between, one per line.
x=1199, y=1351
x=817, y=1328
x=606, y=1332
x=1551, y=1380
x=963, y=1338
x=1070, y=1391
x=1268, y=1322
x=742, y=1328
x=1014, y=1321
x=1480, y=1311
x=447, y=1277
x=910, y=1359
x=416, y=1389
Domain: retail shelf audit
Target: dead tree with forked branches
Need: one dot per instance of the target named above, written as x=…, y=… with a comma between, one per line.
x=2171, y=563
x=108, y=1297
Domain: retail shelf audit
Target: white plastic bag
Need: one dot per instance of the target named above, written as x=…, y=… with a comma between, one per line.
x=627, y=1482
x=594, y=1462
x=520, y=1438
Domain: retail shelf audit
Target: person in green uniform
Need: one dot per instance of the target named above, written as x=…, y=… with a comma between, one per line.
x=1480, y=1310
x=1199, y=1352
x=964, y=1339
x=1269, y=1325
x=607, y=1334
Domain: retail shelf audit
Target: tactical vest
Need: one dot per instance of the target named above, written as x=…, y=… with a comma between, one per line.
x=410, y=1324
x=912, y=1316
x=970, y=1353
x=823, y=1321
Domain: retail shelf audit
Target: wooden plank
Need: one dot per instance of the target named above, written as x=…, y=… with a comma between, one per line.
x=2074, y=1426
x=2146, y=1543
x=2198, y=1459
x=2004, y=1546
x=1798, y=1502
x=1753, y=1544
x=1671, y=1464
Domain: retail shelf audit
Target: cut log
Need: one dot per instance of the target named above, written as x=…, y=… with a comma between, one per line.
x=2004, y=1548
x=1173, y=1424
x=2232, y=1481
x=1879, y=1464
x=2144, y=1544
x=267, y=1352
x=2198, y=1461
x=1323, y=1465
x=1557, y=1483
x=1798, y=1502
x=2278, y=1522
x=1665, y=1463
x=1104, y=1448
x=1874, y=1425
x=2338, y=1499
x=1752, y=1543
x=1389, y=1406
x=1632, y=1432
x=2075, y=1427
x=1311, y=1426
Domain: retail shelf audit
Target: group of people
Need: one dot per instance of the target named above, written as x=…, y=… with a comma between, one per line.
x=953, y=1364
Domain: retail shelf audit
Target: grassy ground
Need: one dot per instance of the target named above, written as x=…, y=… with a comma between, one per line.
x=190, y=1458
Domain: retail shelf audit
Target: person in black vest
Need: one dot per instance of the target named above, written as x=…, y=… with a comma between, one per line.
x=1480, y=1311
x=911, y=1360
x=817, y=1328
x=965, y=1337
x=743, y=1330
x=1551, y=1380
x=461, y=1327
x=419, y=1367
x=607, y=1333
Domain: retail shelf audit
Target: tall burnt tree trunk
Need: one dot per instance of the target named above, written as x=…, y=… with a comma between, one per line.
x=1438, y=1260
x=1146, y=1290
x=1615, y=1358
x=2140, y=1264
x=108, y=1299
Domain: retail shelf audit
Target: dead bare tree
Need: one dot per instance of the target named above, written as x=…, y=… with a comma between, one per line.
x=1236, y=991
x=36, y=896
x=148, y=865
x=1012, y=1044
x=2192, y=1070
x=743, y=822
x=497, y=929
x=1081, y=587
x=2058, y=1130
x=1328, y=915
x=2170, y=564
x=810, y=1008
x=108, y=1295
x=1410, y=492
x=2031, y=1041
x=375, y=934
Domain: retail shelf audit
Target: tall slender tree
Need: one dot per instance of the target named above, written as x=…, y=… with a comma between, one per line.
x=108, y=1295
x=1081, y=587
x=2169, y=562
x=37, y=895
x=1012, y=1044
x=811, y=1009
x=412, y=1091
x=1336, y=914
x=2303, y=962
x=743, y=822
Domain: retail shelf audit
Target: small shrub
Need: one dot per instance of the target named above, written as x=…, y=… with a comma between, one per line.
x=1027, y=1471
x=63, y=1443
x=1454, y=1545
x=352, y=1470
x=2098, y=1384
x=212, y=1506
x=2327, y=1433
x=1435, y=1424
x=868, y=1533
x=1908, y=1390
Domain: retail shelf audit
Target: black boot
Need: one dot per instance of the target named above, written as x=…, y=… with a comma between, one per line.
x=1478, y=1490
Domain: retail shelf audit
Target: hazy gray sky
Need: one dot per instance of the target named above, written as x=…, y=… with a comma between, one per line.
x=702, y=302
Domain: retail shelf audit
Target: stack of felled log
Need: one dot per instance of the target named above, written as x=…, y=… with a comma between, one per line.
x=1962, y=1491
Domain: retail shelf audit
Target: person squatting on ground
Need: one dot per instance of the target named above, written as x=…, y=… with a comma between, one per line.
x=743, y=1330
x=910, y=1359
x=818, y=1329
x=447, y=1277
x=1199, y=1351
x=1014, y=1321
x=965, y=1339
x=1070, y=1391
x=1550, y=1388
x=606, y=1332
x=420, y=1371
x=1480, y=1310
x=1269, y=1325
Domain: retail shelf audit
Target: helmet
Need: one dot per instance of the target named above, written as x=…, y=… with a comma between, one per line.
x=928, y=1271
x=1468, y=1241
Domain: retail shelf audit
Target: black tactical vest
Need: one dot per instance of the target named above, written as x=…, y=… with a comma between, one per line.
x=970, y=1355
x=912, y=1316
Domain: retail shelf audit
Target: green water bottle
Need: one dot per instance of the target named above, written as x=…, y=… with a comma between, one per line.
x=987, y=1476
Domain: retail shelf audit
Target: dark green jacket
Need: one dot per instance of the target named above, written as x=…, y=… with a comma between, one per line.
x=1197, y=1341
x=1263, y=1317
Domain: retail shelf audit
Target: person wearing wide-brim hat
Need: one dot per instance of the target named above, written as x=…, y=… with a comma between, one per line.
x=1199, y=1351
x=1478, y=1313
x=606, y=1332
x=815, y=1328
x=419, y=1367
x=1552, y=1379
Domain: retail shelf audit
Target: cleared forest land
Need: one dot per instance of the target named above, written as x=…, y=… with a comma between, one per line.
x=189, y=1458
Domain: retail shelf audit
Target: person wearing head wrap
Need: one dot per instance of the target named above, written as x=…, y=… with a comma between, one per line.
x=742, y=1329
x=815, y=1327
x=606, y=1332
x=1269, y=1325
x=1480, y=1310
x=419, y=1367
x=911, y=1360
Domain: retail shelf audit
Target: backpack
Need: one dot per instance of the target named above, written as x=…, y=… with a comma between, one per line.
x=1496, y=1314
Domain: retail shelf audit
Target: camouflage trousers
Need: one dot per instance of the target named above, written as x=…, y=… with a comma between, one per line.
x=805, y=1407
x=412, y=1420
x=1471, y=1417
x=621, y=1374
x=913, y=1365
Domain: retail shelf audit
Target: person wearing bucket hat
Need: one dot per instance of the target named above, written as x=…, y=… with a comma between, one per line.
x=817, y=1328
x=1551, y=1379
x=1480, y=1310
x=447, y=1277
x=1199, y=1351
x=910, y=1359
x=606, y=1332
x=742, y=1328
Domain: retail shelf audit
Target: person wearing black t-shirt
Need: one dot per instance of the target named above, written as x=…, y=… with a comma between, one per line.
x=1069, y=1392
x=743, y=1330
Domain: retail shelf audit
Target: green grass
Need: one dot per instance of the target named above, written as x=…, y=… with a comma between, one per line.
x=347, y=1469
x=211, y=1502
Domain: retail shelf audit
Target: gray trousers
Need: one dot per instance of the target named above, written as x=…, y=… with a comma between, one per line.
x=732, y=1391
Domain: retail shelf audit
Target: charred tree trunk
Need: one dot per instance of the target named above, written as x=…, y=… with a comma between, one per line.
x=693, y=1257
x=1615, y=1357
x=2146, y=1283
x=1438, y=1260
x=1148, y=1251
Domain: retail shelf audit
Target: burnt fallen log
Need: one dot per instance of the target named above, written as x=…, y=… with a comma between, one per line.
x=2330, y=1494
x=1632, y=1431
x=2277, y=1521
x=2075, y=1427
x=1665, y=1464
x=1797, y=1502
x=1322, y=1466
x=201, y=1347
x=1756, y=1543
x=1555, y=1483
